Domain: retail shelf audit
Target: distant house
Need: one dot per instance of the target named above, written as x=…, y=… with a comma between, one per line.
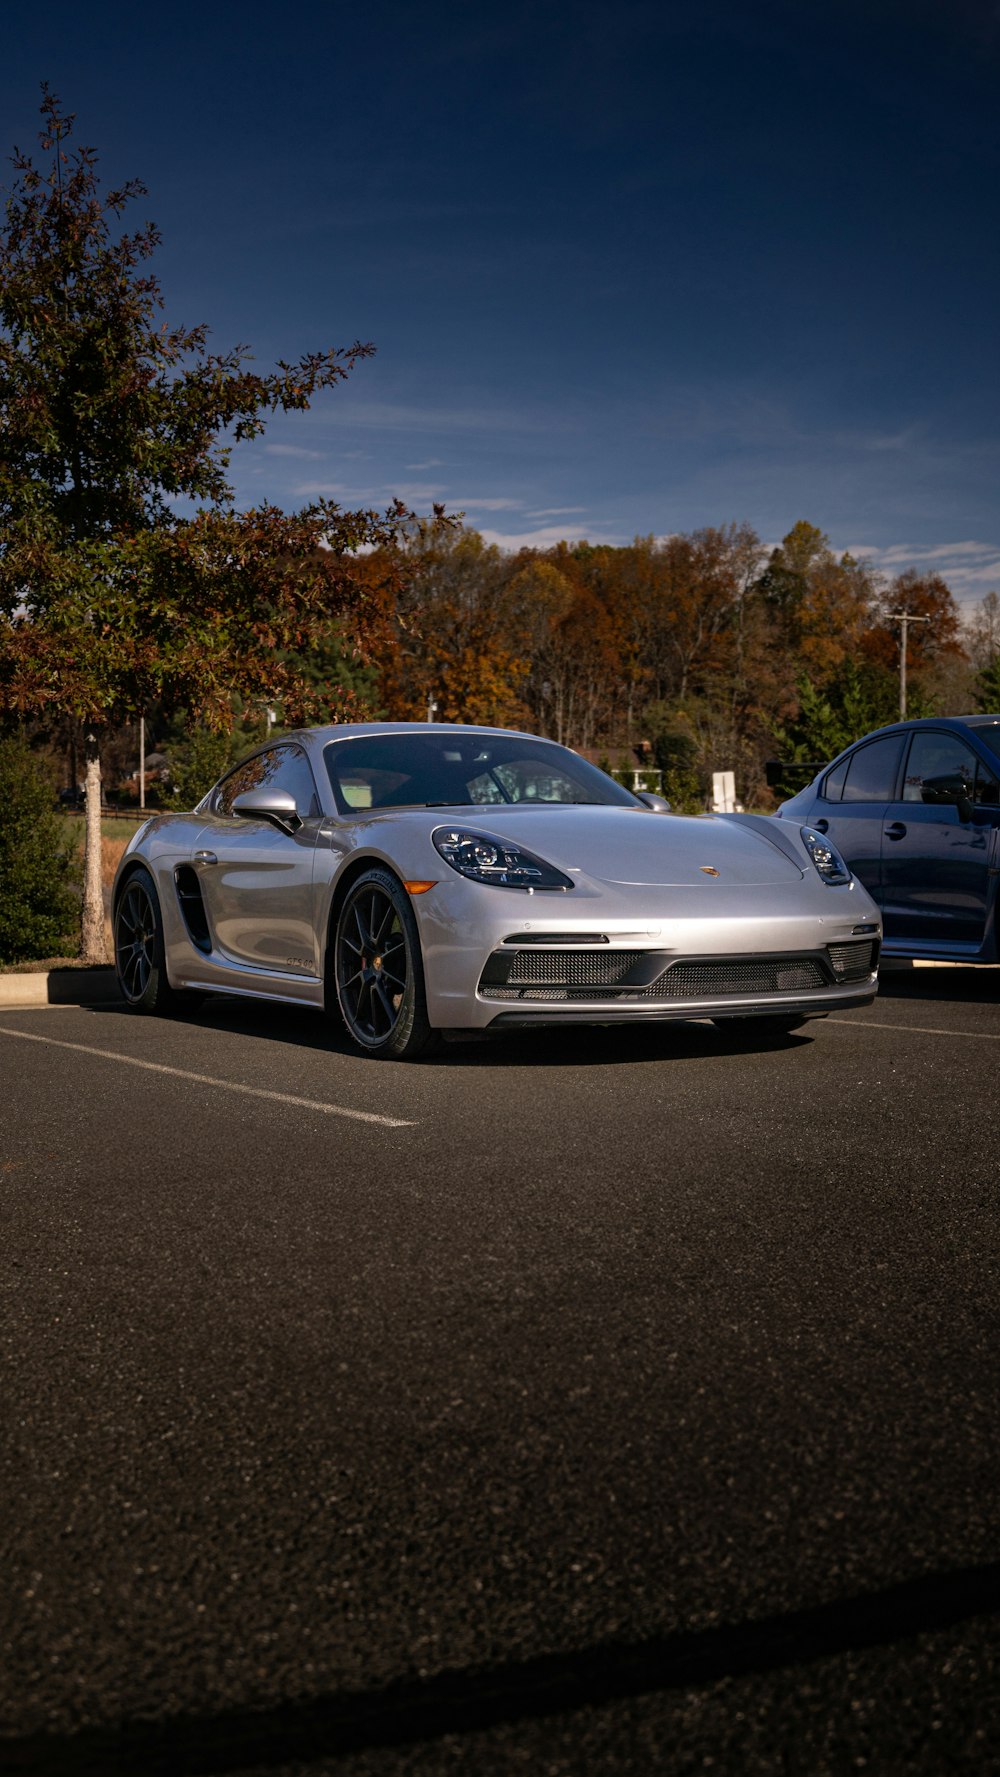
x=634, y=763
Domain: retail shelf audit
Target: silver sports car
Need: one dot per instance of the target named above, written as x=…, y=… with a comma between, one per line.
x=430, y=880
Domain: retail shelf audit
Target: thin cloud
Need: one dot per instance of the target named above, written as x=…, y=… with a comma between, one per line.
x=970, y=568
x=486, y=505
x=397, y=416
x=546, y=537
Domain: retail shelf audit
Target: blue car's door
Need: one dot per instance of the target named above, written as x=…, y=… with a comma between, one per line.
x=937, y=842
x=852, y=807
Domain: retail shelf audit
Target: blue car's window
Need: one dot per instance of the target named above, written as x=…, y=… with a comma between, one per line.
x=871, y=771
x=833, y=788
x=939, y=768
x=987, y=729
x=451, y=770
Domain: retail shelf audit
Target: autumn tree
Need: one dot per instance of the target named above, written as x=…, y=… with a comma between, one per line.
x=456, y=652
x=821, y=604
x=127, y=575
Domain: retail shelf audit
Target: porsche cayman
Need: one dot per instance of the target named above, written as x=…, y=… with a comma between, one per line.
x=422, y=880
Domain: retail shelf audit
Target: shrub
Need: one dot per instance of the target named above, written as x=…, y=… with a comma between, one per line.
x=39, y=912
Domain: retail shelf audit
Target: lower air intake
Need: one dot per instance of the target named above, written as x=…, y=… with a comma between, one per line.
x=719, y=980
x=852, y=962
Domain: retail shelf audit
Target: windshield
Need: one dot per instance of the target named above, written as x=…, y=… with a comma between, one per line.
x=989, y=731
x=452, y=770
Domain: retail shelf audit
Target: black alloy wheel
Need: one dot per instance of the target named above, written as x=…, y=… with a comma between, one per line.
x=379, y=974
x=140, y=961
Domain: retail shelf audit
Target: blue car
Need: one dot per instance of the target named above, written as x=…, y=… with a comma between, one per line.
x=915, y=810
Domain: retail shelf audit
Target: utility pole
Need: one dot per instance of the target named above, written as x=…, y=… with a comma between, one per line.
x=432, y=708
x=903, y=618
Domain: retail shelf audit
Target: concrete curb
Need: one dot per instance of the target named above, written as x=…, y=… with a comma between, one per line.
x=60, y=987
x=891, y=964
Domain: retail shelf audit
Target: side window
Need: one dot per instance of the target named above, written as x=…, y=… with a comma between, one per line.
x=251, y=775
x=871, y=771
x=940, y=767
x=293, y=773
x=833, y=788
x=284, y=767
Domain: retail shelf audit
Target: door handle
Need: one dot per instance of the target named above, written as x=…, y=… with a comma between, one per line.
x=822, y=826
x=205, y=857
x=896, y=830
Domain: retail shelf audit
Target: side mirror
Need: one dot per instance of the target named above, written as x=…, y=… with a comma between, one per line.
x=964, y=806
x=658, y=804
x=276, y=806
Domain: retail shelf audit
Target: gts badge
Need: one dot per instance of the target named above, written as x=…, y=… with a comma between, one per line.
x=297, y=962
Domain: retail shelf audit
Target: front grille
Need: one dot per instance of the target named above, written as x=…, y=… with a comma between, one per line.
x=852, y=962
x=631, y=975
x=571, y=968
x=718, y=980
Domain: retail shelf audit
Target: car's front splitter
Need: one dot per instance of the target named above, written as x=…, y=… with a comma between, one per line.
x=811, y=1006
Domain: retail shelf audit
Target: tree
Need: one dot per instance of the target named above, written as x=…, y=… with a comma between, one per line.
x=37, y=864
x=988, y=688
x=127, y=576
x=922, y=595
x=821, y=603
x=456, y=646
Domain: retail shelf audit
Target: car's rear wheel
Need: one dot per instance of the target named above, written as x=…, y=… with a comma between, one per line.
x=378, y=970
x=140, y=962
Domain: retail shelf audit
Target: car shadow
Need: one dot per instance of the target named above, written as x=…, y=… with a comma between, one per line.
x=580, y=1045
x=956, y=983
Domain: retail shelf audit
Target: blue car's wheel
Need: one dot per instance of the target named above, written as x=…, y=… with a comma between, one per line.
x=378, y=970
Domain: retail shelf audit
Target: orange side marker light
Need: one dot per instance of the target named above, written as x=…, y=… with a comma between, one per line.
x=418, y=888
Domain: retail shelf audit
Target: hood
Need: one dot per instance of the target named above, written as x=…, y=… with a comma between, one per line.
x=635, y=847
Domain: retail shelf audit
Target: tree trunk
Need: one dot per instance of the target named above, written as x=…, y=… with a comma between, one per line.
x=93, y=945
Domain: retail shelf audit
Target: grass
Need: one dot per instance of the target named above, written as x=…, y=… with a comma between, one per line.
x=120, y=828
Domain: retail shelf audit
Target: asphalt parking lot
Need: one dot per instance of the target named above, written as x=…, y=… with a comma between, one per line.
x=615, y=1401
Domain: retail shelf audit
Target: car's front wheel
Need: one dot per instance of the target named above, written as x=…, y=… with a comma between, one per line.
x=140, y=962
x=378, y=970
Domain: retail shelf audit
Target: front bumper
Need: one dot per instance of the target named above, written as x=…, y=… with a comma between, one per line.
x=494, y=961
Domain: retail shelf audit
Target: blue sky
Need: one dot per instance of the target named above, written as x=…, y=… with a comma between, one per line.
x=629, y=268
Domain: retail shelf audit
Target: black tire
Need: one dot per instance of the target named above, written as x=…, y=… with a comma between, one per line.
x=769, y=1024
x=140, y=963
x=378, y=971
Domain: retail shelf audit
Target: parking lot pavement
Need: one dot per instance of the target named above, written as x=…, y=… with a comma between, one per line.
x=611, y=1401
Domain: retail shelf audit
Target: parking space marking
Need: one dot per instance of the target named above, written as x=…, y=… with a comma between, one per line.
x=180, y=1073
x=921, y=1030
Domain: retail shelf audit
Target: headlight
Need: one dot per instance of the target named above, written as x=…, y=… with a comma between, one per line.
x=482, y=857
x=825, y=856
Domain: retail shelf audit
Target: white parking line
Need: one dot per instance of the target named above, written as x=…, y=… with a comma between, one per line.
x=921, y=1030
x=181, y=1073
